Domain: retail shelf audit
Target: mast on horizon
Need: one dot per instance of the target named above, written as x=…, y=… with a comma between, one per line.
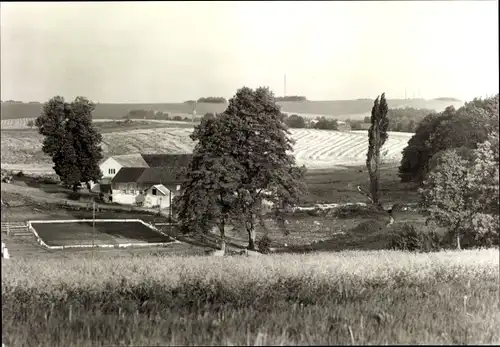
x=284, y=85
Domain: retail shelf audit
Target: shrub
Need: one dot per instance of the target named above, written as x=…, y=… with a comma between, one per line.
x=264, y=244
x=353, y=211
x=356, y=125
x=20, y=174
x=368, y=227
x=471, y=239
x=326, y=124
x=295, y=121
x=314, y=213
x=410, y=238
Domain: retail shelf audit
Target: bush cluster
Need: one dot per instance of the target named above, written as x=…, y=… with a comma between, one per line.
x=416, y=239
x=264, y=244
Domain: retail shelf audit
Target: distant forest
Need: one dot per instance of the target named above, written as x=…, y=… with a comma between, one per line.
x=291, y=98
x=446, y=99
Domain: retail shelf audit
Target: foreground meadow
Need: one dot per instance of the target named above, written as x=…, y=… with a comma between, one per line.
x=343, y=298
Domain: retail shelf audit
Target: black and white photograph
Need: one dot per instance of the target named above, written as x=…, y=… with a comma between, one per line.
x=249, y=173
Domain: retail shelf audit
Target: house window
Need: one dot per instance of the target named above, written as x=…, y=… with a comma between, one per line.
x=153, y=191
x=111, y=171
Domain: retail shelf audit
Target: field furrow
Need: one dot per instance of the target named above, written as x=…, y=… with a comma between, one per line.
x=313, y=148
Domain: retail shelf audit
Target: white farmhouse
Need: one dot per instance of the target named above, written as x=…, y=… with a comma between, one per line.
x=143, y=179
x=112, y=165
x=148, y=187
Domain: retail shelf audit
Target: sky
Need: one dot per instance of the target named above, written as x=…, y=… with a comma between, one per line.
x=133, y=52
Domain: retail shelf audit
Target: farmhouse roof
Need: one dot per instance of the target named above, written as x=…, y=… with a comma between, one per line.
x=167, y=160
x=131, y=160
x=128, y=174
x=152, y=160
x=150, y=175
x=162, y=175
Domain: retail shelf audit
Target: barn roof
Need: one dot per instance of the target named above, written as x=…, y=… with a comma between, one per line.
x=167, y=160
x=162, y=175
x=150, y=175
x=131, y=160
x=152, y=160
x=128, y=174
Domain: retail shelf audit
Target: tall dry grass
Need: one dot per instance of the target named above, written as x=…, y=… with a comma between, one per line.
x=342, y=298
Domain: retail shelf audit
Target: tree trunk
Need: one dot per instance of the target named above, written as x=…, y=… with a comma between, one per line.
x=374, y=181
x=251, y=235
x=457, y=233
x=222, y=237
x=75, y=187
x=374, y=188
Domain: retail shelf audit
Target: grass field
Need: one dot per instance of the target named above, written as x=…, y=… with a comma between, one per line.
x=105, y=233
x=327, y=299
x=21, y=149
x=341, y=109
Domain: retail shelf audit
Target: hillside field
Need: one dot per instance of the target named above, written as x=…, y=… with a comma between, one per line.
x=21, y=149
x=340, y=109
x=104, y=125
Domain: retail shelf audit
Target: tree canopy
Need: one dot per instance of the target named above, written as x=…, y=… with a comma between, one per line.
x=377, y=136
x=290, y=98
x=465, y=127
x=461, y=191
x=71, y=140
x=213, y=100
x=248, y=150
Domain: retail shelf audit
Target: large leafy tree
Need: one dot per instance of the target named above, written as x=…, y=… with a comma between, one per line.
x=461, y=191
x=71, y=140
x=208, y=198
x=248, y=147
x=377, y=136
x=261, y=144
x=465, y=127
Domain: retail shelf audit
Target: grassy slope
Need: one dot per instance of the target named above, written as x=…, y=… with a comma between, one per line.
x=345, y=298
x=334, y=108
x=24, y=146
x=314, y=148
